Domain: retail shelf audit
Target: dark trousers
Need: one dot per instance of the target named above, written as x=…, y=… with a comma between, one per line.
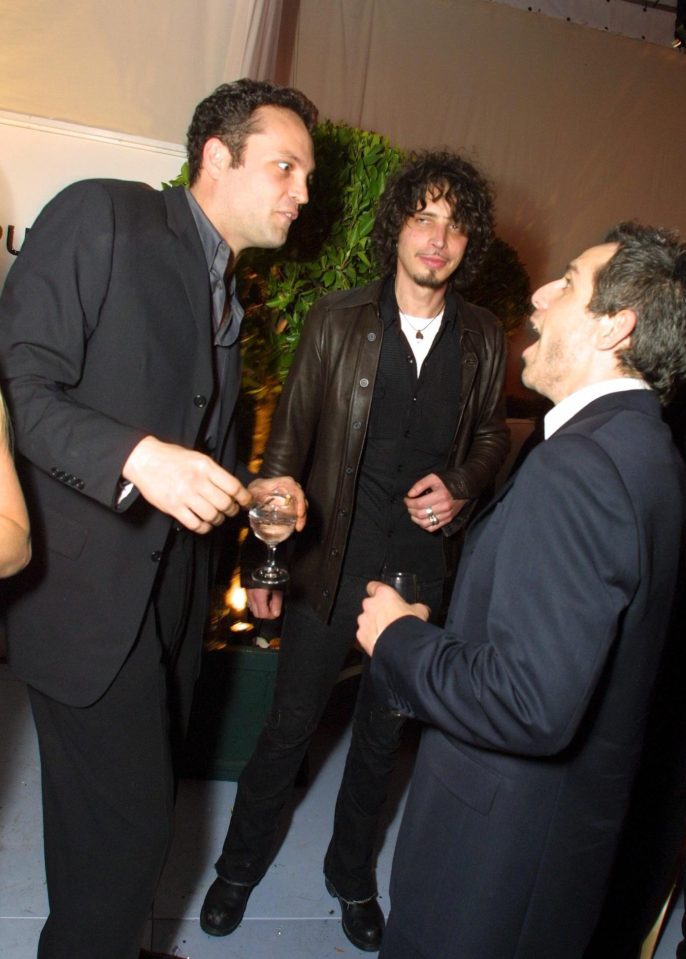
x=310, y=659
x=108, y=780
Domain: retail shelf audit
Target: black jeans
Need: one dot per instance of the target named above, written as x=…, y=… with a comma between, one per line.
x=310, y=659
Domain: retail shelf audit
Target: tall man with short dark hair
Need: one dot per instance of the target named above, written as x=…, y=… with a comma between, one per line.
x=121, y=358
x=392, y=419
x=537, y=691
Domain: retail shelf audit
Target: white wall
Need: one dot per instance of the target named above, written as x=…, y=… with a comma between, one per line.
x=39, y=157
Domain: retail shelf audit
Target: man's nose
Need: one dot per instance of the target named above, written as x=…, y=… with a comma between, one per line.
x=541, y=296
x=300, y=192
x=439, y=234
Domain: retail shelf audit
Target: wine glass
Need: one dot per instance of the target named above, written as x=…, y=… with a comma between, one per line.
x=272, y=519
x=404, y=583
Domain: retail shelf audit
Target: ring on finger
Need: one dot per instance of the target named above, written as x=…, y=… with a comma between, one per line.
x=433, y=519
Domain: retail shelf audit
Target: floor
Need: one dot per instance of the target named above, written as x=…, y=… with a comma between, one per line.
x=289, y=914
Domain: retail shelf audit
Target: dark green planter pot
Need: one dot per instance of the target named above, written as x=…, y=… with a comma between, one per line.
x=232, y=699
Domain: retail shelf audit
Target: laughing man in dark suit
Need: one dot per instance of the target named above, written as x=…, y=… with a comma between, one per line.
x=536, y=692
x=121, y=362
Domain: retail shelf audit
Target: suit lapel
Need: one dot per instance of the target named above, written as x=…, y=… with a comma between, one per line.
x=640, y=400
x=192, y=266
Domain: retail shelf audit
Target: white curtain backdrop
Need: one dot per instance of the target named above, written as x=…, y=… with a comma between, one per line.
x=576, y=127
x=128, y=66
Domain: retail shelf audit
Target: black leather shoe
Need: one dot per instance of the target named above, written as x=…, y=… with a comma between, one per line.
x=363, y=922
x=223, y=907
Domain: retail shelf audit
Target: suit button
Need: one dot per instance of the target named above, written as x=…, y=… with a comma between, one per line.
x=156, y=556
x=348, y=470
x=371, y=337
x=200, y=401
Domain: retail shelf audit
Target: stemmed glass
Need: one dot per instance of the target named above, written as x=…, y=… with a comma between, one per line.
x=272, y=519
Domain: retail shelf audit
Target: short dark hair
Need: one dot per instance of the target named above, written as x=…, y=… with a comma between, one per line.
x=647, y=274
x=440, y=175
x=228, y=114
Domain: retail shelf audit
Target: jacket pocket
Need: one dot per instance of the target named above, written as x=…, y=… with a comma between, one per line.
x=469, y=781
x=63, y=536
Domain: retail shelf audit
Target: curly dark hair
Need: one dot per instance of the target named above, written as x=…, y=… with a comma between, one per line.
x=228, y=114
x=647, y=274
x=440, y=175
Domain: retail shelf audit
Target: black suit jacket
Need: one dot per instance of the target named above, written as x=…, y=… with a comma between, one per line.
x=106, y=338
x=536, y=693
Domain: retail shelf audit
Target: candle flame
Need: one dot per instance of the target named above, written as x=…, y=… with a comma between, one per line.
x=236, y=597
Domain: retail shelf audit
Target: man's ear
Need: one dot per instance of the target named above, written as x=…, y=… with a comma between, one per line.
x=615, y=331
x=215, y=157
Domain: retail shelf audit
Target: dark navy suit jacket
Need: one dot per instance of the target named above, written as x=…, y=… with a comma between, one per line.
x=536, y=694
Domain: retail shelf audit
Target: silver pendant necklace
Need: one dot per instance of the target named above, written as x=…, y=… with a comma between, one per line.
x=419, y=331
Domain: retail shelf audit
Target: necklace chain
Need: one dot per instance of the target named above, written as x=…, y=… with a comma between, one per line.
x=419, y=330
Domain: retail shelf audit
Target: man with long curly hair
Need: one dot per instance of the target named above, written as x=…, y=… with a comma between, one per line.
x=392, y=420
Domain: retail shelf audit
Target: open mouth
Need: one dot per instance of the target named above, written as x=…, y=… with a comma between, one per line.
x=532, y=333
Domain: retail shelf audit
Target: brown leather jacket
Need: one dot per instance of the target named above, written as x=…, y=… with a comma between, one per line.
x=320, y=424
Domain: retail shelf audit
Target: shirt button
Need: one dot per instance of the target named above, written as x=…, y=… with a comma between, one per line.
x=200, y=401
x=156, y=556
x=357, y=425
x=371, y=337
x=334, y=552
x=364, y=382
x=348, y=470
x=325, y=593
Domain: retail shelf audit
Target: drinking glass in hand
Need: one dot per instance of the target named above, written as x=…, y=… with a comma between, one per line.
x=272, y=519
x=404, y=583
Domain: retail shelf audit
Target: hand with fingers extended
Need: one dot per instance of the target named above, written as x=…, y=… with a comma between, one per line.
x=430, y=503
x=184, y=483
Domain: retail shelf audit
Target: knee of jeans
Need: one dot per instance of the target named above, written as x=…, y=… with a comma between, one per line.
x=288, y=727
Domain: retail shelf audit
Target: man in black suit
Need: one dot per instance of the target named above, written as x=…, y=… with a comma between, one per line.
x=121, y=361
x=537, y=691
